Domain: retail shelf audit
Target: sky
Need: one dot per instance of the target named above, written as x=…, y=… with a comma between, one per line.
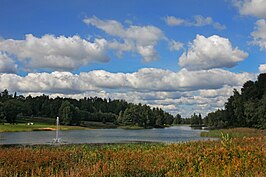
x=183, y=56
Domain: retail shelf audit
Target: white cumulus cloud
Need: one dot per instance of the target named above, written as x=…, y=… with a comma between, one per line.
x=255, y=8
x=174, y=21
x=175, y=45
x=7, y=65
x=56, y=53
x=140, y=39
x=262, y=68
x=259, y=34
x=144, y=80
x=211, y=52
x=225, y=91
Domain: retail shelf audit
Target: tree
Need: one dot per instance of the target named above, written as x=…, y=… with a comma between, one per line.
x=120, y=117
x=11, y=109
x=72, y=111
x=196, y=119
x=2, y=113
x=245, y=109
x=261, y=113
x=238, y=109
x=5, y=95
x=177, y=119
x=66, y=113
x=250, y=113
x=261, y=85
x=216, y=119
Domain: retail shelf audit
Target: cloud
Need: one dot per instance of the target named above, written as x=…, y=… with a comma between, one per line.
x=175, y=45
x=259, y=34
x=255, y=8
x=55, y=82
x=200, y=101
x=144, y=80
x=56, y=53
x=139, y=39
x=7, y=65
x=262, y=68
x=211, y=52
x=225, y=91
x=173, y=21
x=198, y=21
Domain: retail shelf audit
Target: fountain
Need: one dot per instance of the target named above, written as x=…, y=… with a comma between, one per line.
x=57, y=140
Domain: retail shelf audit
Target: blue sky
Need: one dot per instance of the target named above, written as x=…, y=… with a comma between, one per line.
x=184, y=56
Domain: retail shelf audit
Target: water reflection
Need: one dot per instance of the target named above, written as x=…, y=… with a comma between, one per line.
x=167, y=135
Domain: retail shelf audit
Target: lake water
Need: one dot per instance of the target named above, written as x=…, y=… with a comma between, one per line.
x=165, y=135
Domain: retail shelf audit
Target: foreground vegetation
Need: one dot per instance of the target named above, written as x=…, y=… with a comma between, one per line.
x=244, y=156
x=235, y=133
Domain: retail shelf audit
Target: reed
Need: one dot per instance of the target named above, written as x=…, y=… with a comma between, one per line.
x=229, y=156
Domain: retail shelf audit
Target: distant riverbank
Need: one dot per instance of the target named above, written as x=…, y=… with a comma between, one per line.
x=22, y=127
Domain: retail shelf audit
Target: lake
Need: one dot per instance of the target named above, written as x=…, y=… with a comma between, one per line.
x=166, y=135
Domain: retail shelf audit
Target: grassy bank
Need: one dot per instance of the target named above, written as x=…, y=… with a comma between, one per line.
x=235, y=133
x=20, y=127
x=229, y=157
x=131, y=127
x=39, y=123
x=97, y=125
x=48, y=124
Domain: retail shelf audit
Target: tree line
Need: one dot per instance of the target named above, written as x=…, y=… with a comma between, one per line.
x=243, y=109
x=74, y=112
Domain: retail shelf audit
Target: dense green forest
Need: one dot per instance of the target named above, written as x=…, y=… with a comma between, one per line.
x=245, y=109
x=78, y=112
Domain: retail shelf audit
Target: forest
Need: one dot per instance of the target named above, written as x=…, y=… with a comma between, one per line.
x=243, y=109
x=78, y=112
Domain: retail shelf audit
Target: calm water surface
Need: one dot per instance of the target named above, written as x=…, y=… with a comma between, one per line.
x=166, y=135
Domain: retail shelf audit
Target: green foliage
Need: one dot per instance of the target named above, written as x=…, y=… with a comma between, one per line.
x=11, y=109
x=73, y=112
x=144, y=116
x=196, y=120
x=226, y=140
x=2, y=115
x=66, y=113
x=177, y=119
x=235, y=133
x=245, y=109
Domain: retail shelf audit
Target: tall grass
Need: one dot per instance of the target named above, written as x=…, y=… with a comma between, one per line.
x=235, y=133
x=228, y=157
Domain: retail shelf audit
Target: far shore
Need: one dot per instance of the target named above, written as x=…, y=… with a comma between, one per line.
x=23, y=127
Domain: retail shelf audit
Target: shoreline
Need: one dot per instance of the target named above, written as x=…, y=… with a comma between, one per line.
x=78, y=144
x=104, y=144
x=4, y=128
